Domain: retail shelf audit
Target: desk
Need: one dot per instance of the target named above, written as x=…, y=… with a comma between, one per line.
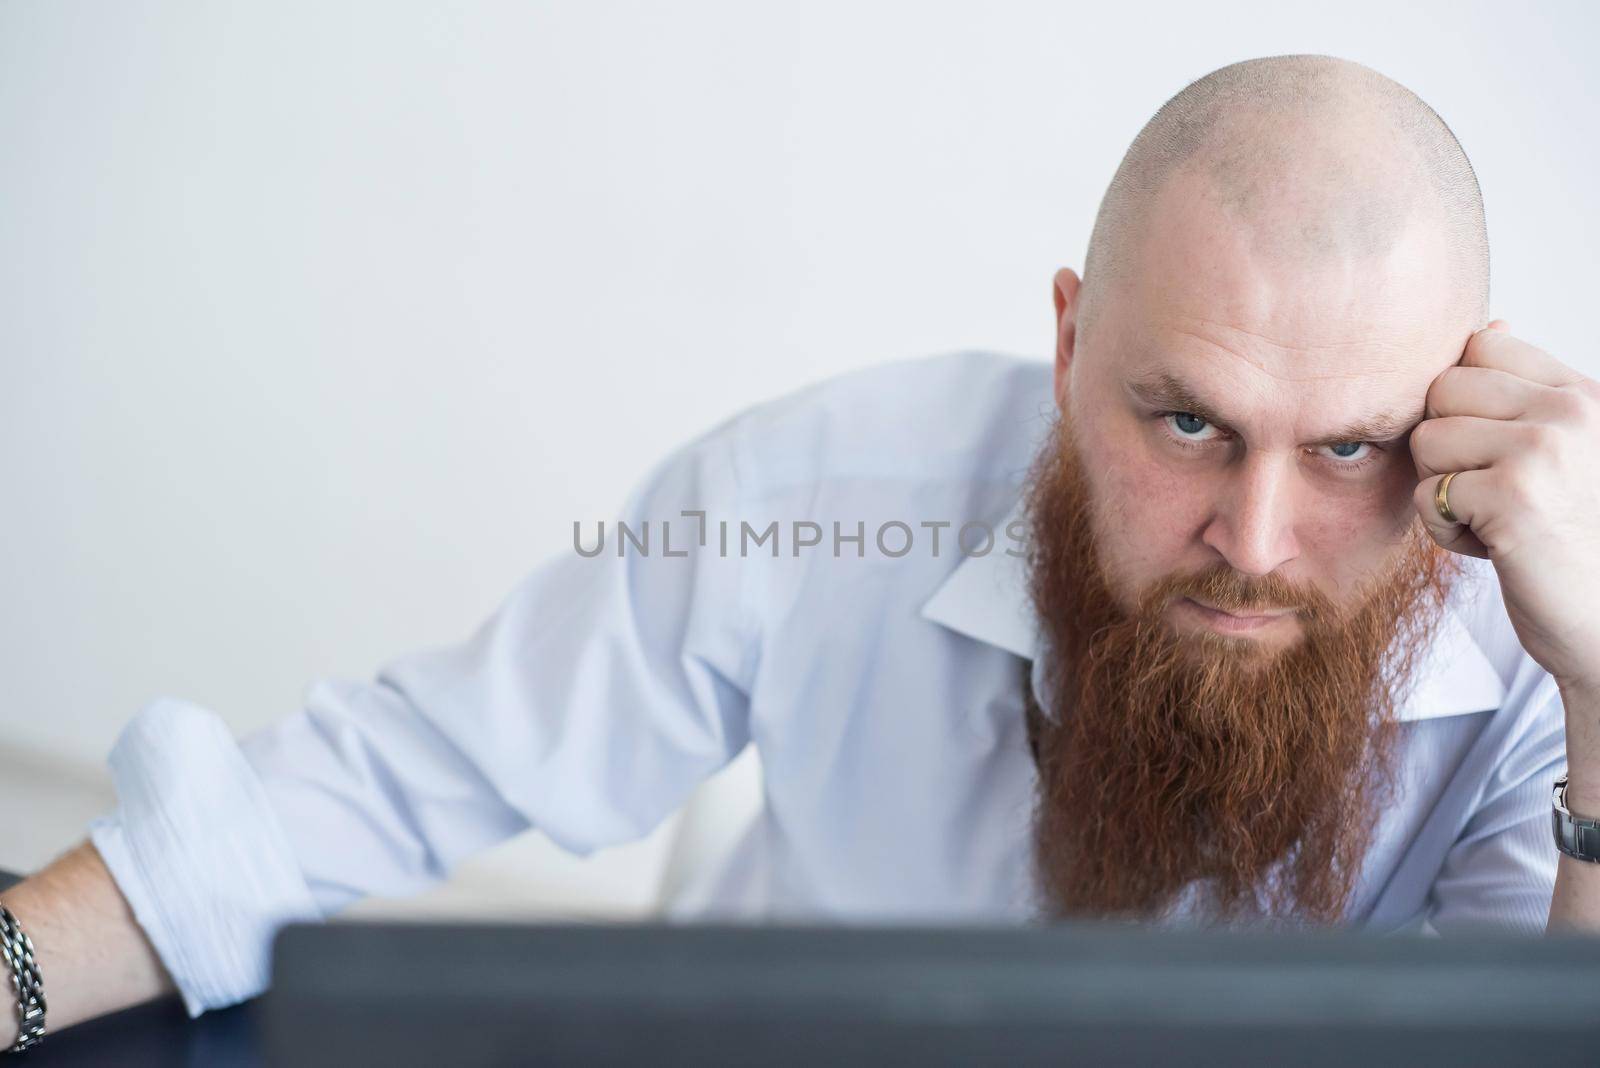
x=159, y=1033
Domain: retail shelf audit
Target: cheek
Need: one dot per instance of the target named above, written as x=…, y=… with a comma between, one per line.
x=1165, y=500
x=1352, y=536
x=1148, y=516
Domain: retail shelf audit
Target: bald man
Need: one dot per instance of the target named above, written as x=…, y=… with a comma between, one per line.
x=1271, y=602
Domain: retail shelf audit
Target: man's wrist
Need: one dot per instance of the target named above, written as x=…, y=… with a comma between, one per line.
x=1579, y=691
x=1581, y=700
x=1580, y=804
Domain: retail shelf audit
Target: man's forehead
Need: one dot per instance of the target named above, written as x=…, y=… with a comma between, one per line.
x=1201, y=280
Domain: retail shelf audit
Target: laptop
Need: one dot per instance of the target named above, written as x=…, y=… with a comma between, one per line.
x=428, y=994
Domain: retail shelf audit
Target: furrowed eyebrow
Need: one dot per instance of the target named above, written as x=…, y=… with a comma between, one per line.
x=1165, y=391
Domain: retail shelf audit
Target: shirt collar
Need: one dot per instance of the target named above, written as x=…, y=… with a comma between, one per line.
x=986, y=599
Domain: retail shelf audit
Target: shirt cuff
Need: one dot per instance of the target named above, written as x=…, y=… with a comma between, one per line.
x=198, y=852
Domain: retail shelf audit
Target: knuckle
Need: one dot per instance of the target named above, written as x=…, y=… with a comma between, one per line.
x=1541, y=437
x=1572, y=405
x=1516, y=487
x=1586, y=400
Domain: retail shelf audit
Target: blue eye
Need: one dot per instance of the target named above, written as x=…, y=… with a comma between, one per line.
x=1356, y=452
x=1190, y=430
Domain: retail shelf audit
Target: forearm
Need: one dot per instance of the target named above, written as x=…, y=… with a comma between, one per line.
x=91, y=952
x=1575, y=904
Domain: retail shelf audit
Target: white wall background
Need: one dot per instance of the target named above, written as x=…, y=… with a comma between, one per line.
x=321, y=322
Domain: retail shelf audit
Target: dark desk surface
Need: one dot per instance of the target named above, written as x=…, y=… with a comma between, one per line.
x=160, y=1033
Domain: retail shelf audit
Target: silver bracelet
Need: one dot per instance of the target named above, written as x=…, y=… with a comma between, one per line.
x=16, y=948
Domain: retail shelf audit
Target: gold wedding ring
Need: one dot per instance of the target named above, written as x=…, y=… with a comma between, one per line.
x=1441, y=499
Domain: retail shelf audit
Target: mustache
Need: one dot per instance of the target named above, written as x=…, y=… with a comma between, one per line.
x=1222, y=587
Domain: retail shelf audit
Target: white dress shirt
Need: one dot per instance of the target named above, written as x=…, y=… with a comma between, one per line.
x=883, y=691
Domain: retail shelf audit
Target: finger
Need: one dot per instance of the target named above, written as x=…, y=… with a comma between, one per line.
x=1501, y=351
x=1483, y=391
x=1499, y=324
x=1465, y=442
x=1464, y=495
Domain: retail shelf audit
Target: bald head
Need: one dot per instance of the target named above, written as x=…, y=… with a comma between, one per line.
x=1318, y=161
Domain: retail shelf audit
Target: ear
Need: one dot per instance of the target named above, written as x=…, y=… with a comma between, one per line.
x=1066, y=297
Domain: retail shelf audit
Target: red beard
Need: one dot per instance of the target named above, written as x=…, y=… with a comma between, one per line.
x=1171, y=757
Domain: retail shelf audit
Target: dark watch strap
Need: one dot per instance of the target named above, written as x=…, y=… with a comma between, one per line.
x=1576, y=836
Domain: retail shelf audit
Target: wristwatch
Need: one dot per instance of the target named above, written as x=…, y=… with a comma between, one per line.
x=16, y=953
x=1576, y=836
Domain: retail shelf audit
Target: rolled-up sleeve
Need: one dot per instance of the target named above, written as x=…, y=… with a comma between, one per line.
x=1501, y=870
x=589, y=705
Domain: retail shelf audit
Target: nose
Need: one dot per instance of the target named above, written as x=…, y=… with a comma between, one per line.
x=1253, y=525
